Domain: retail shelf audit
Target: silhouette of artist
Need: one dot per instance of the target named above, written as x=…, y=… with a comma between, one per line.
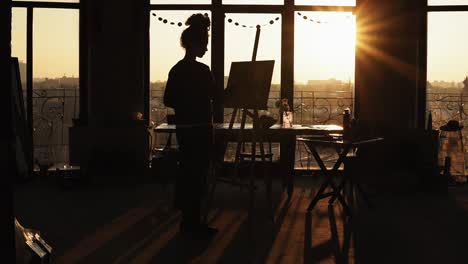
x=190, y=91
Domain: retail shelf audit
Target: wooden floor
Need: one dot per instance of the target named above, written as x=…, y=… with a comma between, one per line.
x=137, y=225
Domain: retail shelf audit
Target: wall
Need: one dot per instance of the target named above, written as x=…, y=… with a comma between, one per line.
x=113, y=146
x=6, y=137
x=116, y=36
x=387, y=63
x=390, y=64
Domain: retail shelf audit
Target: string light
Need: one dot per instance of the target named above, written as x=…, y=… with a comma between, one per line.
x=236, y=23
x=170, y=22
x=229, y=20
x=348, y=17
x=239, y=24
x=310, y=19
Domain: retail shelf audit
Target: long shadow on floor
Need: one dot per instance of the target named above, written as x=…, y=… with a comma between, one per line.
x=233, y=243
x=333, y=246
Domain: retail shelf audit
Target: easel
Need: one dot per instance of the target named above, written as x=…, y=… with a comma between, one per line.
x=249, y=109
x=256, y=137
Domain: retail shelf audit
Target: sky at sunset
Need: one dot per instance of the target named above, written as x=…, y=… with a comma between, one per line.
x=322, y=51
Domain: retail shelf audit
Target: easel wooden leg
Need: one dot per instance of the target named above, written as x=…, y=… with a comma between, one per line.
x=252, y=179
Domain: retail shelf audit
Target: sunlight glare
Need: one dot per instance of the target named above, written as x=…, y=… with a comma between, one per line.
x=324, y=46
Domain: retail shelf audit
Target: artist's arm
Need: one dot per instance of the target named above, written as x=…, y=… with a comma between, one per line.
x=170, y=91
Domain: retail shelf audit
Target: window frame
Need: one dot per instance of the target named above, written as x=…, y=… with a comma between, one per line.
x=30, y=6
x=422, y=92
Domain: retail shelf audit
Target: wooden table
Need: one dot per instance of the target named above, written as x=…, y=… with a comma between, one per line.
x=343, y=147
x=285, y=136
x=275, y=132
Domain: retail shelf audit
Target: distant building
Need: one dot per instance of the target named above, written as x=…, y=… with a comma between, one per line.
x=63, y=82
x=446, y=85
x=330, y=85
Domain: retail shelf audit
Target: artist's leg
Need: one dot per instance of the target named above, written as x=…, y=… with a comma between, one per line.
x=192, y=182
x=188, y=180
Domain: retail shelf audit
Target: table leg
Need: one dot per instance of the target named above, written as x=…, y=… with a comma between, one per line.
x=335, y=194
x=287, y=152
x=319, y=195
x=339, y=189
x=336, y=190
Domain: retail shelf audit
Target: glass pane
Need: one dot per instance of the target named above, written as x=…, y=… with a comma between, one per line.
x=327, y=2
x=447, y=64
x=55, y=87
x=57, y=1
x=256, y=2
x=324, y=47
x=447, y=50
x=240, y=33
x=447, y=2
x=18, y=42
x=180, y=2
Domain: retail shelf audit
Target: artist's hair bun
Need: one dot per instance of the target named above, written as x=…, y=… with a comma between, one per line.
x=198, y=21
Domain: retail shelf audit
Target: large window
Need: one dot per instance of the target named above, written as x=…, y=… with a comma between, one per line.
x=55, y=83
x=447, y=72
x=243, y=26
x=322, y=57
x=46, y=40
x=324, y=66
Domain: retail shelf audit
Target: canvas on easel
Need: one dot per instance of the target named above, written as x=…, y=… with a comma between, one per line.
x=249, y=84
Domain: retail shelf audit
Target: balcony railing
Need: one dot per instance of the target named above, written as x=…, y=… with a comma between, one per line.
x=447, y=106
x=309, y=108
x=54, y=109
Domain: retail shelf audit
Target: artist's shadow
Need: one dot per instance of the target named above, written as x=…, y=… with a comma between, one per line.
x=340, y=251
